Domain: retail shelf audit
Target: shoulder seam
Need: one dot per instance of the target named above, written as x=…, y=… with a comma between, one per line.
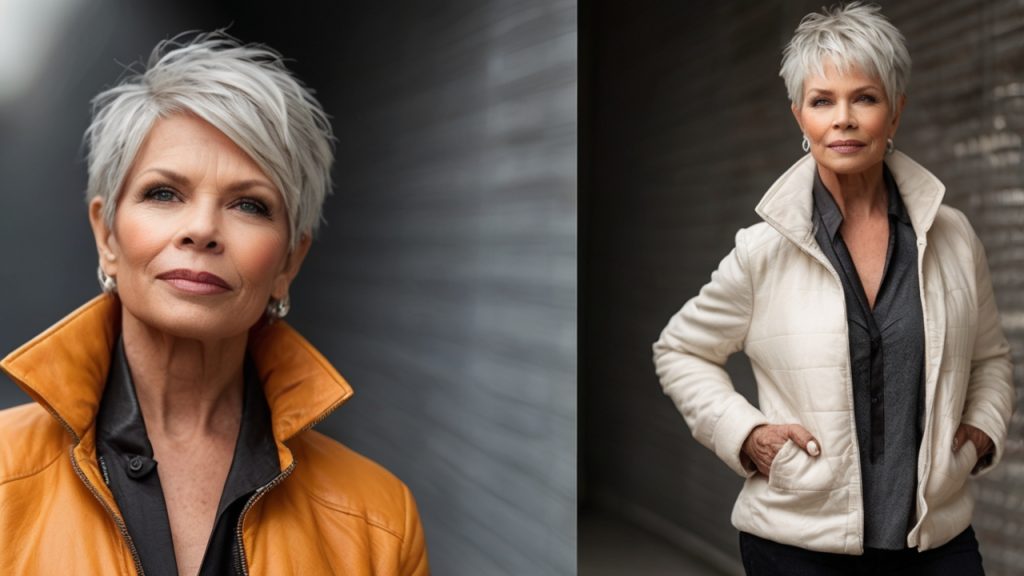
x=763, y=236
x=25, y=475
x=354, y=513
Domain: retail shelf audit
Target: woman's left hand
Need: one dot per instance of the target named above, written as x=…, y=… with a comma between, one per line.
x=981, y=441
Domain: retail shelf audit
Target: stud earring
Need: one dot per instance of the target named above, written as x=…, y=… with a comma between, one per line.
x=806, y=144
x=890, y=146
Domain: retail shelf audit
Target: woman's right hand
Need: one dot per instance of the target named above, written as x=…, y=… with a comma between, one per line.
x=765, y=441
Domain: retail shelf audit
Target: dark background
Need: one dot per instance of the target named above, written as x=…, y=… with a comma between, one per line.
x=684, y=125
x=444, y=284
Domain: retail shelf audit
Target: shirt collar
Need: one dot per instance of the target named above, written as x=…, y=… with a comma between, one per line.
x=119, y=421
x=897, y=209
x=825, y=205
x=120, y=426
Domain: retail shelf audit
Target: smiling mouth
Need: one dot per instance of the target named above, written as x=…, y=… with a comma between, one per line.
x=192, y=282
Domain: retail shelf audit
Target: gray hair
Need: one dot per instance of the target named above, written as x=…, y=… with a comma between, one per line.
x=855, y=35
x=243, y=90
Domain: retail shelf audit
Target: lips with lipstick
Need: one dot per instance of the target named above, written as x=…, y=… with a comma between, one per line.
x=193, y=282
x=846, y=146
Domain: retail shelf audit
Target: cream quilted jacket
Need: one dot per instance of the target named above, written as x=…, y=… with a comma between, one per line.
x=777, y=298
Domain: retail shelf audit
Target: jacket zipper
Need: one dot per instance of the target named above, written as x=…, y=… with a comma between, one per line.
x=81, y=476
x=922, y=245
x=241, y=562
x=120, y=524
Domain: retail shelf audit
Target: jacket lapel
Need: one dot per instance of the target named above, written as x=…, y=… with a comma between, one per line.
x=65, y=368
x=301, y=386
x=788, y=204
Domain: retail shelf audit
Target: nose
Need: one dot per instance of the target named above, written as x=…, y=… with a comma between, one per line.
x=200, y=229
x=844, y=118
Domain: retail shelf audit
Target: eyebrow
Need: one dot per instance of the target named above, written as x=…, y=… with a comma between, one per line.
x=183, y=181
x=863, y=88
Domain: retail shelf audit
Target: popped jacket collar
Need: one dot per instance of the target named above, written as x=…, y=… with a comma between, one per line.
x=65, y=370
x=788, y=205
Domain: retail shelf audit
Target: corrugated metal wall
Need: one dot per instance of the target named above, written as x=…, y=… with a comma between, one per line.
x=451, y=253
x=689, y=125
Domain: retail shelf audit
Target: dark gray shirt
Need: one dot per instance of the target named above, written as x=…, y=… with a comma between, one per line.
x=887, y=360
x=126, y=459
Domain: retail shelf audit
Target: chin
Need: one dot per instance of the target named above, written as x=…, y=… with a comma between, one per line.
x=850, y=166
x=196, y=322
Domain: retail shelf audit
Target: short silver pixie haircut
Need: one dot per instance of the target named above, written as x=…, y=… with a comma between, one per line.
x=243, y=90
x=854, y=35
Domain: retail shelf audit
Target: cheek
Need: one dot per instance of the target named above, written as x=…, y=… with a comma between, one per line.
x=815, y=127
x=881, y=125
x=262, y=260
x=875, y=120
x=140, y=238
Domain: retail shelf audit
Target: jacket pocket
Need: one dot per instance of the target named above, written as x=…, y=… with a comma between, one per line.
x=794, y=469
x=950, y=471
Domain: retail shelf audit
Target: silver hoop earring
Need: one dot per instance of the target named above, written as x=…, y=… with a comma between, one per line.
x=107, y=283
x=278, y=309
x=890, y=146
x=806, y=144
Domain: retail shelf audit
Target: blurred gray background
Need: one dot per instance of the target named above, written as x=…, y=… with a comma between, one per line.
x=684, y=124
x=443, y=286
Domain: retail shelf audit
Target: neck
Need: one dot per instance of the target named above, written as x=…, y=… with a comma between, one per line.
x=858, y=196
x=186, y=387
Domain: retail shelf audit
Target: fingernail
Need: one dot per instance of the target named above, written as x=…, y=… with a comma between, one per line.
x=812, y=448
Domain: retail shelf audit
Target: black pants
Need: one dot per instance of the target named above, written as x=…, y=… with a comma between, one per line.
x=958, y=557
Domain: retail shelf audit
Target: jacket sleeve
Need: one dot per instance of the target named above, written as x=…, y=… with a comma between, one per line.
x=690, y=354
x=991, y=395
x=414, y=547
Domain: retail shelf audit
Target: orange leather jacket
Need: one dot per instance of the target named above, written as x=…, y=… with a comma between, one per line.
x=330, y=511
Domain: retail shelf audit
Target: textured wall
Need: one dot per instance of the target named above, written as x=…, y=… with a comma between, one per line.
x=451, y=253
x=689, y=124
x=443, y=286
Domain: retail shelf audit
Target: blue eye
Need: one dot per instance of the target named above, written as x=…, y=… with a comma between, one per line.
x=819, y=102
x=250, y=206
x=161, y=195
x=868, y=98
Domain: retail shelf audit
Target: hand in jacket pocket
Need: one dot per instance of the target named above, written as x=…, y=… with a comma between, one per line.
x=980, y=440
x=764, y=442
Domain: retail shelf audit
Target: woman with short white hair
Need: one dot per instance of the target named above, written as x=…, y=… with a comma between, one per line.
x=866, y=309
x=171, y=429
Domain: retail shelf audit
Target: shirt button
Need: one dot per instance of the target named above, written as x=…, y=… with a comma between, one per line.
x=135, y=464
